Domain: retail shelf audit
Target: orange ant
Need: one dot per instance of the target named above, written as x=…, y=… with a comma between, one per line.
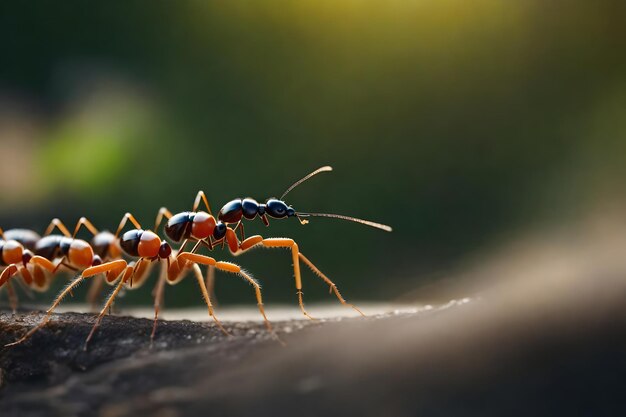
x=202, y=226
x=15, y=246
x=147, y=247
x=72, y=253
x=143, y=244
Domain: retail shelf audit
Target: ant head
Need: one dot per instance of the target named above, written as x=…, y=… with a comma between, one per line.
x=27, y=255
x=97, y=260
x=278, y=209
x=165, y=250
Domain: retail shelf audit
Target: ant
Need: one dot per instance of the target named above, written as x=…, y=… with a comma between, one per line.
x=203, y=226
x=147, y=247
x=143, y=244
x=15, y=246
x=72, y=253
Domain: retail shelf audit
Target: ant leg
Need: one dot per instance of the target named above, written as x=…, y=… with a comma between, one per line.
x=83, y=221
x=128, y=271
x=163, y=212
x=12, y=270
x=12, y=297
x=127, y=217
x=95, y=289
x=284, y=243
x=158, y=294
x=210, y=281
x=7, y=273
x=201, y=197
x=255, y=241
x=58, y=224
x=109, y=267
x=232, y=268
x=207, y=299
x=332, y=285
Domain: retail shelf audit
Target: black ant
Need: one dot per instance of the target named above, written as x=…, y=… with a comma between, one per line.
x=202, y=226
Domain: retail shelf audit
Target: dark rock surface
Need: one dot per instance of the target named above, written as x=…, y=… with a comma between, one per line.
x=549, y=348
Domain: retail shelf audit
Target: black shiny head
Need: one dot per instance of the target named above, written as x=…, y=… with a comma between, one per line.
x=219, y=231
x=97, y=260
x=278, y=209
x=165, y=250
x=27, y=255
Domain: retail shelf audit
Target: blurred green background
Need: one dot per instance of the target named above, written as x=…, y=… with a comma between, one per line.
x=458, y=123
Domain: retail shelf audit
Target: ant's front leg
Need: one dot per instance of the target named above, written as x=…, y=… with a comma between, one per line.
x=297, y=256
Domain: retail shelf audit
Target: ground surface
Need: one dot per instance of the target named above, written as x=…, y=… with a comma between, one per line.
x=554, y=348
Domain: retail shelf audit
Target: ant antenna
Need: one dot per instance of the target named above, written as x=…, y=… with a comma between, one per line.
x=352, y=219
x=317, y=171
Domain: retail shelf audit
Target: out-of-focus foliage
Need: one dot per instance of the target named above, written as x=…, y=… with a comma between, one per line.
x=455, y=122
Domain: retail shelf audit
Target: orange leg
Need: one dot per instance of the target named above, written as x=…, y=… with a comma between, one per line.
x=201, y=197
x=210, y=281
x=127, y=217
x=7, y=273
x=128, y=271
x=158, y=293
x=58, y=224
x=83, y=221
x=107, y=268
x=163, y=212
x=11, y=271
x=256, y=241
x=227, y=267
